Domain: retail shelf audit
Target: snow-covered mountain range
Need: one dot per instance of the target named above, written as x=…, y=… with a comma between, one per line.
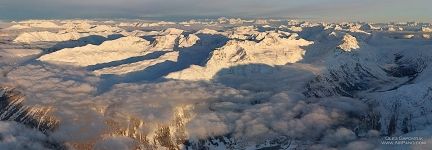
x=225, y=83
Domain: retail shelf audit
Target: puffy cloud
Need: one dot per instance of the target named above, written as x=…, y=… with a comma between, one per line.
x=115, y=143
x=215, y=109
x=360, y=145
x=283, y=114
x=205, y=125
x=212, y=109
x=157, y=101
x=66, y=91
x=341, y=135
x=16, y=136
x=48, y=84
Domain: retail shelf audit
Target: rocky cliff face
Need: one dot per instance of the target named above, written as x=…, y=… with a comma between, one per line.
x=23, y=126
x=13, y=109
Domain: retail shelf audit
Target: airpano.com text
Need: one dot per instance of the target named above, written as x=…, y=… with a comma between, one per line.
x=402, y=140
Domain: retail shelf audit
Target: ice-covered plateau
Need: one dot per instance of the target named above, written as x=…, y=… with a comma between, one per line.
x=217, y=84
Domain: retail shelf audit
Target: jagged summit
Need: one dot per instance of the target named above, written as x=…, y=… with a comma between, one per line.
x=349, y=43
x=188, y=41
x=172, y=31
x=166, y=40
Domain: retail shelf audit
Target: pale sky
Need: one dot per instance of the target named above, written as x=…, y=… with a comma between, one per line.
x=334, y=10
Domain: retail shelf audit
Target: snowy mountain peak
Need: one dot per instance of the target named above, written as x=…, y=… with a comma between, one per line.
x=188, y=41
x=274, y=49
x=108, y=51
x=349, y=43
x=172, y=31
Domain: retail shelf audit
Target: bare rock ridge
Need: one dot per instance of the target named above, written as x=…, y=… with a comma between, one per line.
x=12, y=109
